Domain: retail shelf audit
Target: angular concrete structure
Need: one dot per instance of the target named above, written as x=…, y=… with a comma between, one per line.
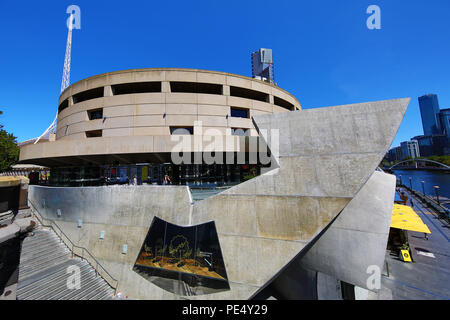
x=308, y=210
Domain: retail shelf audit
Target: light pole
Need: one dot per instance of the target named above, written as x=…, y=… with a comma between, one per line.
x=436, y=189
x=423, y=187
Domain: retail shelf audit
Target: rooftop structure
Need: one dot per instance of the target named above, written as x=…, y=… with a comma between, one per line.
x=262, y=65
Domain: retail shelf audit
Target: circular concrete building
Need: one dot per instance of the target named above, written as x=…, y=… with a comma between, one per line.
x=120, y=125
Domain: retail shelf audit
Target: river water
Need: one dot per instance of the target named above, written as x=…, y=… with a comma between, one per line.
x=431, y=179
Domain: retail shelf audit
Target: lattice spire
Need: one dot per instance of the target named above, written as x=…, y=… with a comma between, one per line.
x=65, y=79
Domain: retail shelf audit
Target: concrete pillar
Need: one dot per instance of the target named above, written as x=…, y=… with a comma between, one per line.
x=165, y=86
x=226, y=90
x=107, y=91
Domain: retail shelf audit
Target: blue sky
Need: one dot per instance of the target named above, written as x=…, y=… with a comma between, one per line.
x=323, y=52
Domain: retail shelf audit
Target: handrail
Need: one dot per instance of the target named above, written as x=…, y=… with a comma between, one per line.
x=83, y=249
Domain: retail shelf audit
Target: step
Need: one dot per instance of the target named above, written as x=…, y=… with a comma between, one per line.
x=44, y=264
x=57, y=279
x=45, y=275
x=87, y=277
x=91, y=286
x=48, y=288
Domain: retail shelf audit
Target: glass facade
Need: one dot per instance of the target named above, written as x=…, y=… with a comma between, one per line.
x=429, y=110
x=445, y=122
x=183, y=260
x=410, y=149
x=194, y=175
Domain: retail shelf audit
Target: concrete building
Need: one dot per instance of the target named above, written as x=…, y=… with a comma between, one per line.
x=316, y=215
x=410, y=149
x=110, y=123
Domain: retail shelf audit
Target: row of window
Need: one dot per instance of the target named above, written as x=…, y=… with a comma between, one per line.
x=98, y=114
x=175, y=86
x=176, y=131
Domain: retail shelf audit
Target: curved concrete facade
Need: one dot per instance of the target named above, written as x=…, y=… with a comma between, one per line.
x=137, y=109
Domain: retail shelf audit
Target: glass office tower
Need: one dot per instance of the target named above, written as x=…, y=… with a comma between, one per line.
x=429, y=110
x=445, y=122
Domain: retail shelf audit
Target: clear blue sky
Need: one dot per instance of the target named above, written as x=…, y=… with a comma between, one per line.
x=323, y=52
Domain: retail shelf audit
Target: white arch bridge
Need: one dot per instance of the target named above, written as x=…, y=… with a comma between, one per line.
x=419, y=160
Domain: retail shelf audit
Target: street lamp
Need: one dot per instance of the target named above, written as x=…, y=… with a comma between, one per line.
x=423, y=187
x=436, y=189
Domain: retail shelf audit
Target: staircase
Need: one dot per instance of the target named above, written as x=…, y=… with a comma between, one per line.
x=44, y=271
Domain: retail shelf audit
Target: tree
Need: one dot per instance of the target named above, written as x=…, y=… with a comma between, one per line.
x=9, y=151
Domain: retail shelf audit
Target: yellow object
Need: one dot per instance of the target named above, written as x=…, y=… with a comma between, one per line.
x=405, y=218
x=144, y=173
x=406, y=256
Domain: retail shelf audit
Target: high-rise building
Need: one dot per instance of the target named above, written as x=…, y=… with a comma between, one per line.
x=429, y=110
x=410, y=149
x=444, y=116
x=262, y=65
x=395, y=154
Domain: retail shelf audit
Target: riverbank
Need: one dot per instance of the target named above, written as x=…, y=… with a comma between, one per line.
x=427, y=277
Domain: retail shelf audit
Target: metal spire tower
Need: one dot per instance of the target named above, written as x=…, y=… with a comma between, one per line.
x=65, y=79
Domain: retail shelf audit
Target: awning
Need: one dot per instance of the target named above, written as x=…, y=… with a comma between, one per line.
x=405, y=218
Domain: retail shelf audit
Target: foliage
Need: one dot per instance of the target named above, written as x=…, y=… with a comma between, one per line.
x=442, y=159
x=9, y=151
x=179, y=247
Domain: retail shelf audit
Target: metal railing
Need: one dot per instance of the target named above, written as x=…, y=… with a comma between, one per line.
x=114, y=283
x=443, y=212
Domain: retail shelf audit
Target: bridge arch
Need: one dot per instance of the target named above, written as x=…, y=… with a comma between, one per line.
x=419, y=160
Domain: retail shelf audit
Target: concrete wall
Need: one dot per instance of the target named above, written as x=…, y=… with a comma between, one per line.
x=358, y=238
x=124, y=213
x=148, y=115
x=325, y=157
x=355, y=240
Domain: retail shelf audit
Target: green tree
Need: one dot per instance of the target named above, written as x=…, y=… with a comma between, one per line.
x=9, y=151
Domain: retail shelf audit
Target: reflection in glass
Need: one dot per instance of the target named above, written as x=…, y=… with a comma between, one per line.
x=183, y=260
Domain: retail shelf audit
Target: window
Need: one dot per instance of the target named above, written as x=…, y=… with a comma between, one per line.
x=88, y=95
x=195, y=87
x=63, y=105
x=249, y=94
x=172, y=254
x=240, y=112
x=283, y=103
x=240, y=132
x=93, y=134
x=136, y=87
x=181, y=130
x=95, y=114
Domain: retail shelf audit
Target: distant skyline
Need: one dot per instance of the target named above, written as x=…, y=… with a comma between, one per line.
x=323, y=52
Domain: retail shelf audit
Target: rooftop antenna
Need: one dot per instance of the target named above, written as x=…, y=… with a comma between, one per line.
x=65, y=79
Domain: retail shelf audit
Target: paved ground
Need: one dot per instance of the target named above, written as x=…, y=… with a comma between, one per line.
x=429, y=276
